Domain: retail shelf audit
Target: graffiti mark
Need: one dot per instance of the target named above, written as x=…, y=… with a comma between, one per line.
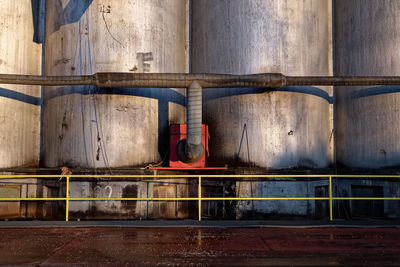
x=122, y=108
x=62, y=61
x=142, y=59
x=97, y=190
x=101, y=192
x=110, y=192
x=107, y=10
x=130, y=191
x=98, y=154
x=133, y=69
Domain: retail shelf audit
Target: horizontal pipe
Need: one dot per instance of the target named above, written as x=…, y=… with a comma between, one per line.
x=183, y=80
x=46, y=80
x=343, y=80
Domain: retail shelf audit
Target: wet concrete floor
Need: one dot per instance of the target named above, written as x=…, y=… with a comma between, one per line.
x=187, y=246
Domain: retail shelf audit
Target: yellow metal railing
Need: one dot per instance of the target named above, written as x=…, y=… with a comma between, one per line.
x=199, y=198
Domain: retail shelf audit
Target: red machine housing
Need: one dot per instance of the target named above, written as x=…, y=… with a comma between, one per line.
x=177, y=132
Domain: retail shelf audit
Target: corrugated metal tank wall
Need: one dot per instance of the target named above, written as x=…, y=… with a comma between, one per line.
x=285, y=129
x=19, y=105
x=120, y=127
x=367, y=43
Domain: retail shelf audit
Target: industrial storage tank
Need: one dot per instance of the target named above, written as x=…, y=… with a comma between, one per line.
x=286, y=128
x=366, y=43
x=87, y=127
x=19, y=104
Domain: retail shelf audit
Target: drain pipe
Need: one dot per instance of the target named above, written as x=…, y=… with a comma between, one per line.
x=193, y=146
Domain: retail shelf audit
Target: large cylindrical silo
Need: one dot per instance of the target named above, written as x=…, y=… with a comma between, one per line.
x=113, y=127
x=19, y=105
x=366, y=43
x=285, y=128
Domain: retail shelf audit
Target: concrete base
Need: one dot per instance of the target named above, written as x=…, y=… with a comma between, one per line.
x=80, y=246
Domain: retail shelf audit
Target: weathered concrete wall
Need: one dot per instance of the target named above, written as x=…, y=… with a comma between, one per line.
x=367, y=38
x=118, y=127
x=19, y=105
x=276, y=208
x=343, y=209
x=286, y=128
x=250, y=187
x=32, y=188
x=348, y=209
x=129, y=209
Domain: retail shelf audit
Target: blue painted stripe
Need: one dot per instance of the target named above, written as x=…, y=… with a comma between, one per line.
x=211, y=93
x=7, y=93
x=164, y=94
x=376, y=90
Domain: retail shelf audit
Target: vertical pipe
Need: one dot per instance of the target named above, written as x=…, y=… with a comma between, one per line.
x=193, y=147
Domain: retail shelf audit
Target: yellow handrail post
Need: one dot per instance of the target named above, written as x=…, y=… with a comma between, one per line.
x=67, y=200
x=330, y=199
x=199, y=195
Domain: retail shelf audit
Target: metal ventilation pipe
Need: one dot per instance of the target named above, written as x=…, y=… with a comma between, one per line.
x=193, y=146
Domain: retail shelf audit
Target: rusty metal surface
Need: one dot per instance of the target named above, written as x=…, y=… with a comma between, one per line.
x=19, y=105
x=106, y=130
x=183, y=80
x=258, y=36
x=367, y=34
x=200, y=247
